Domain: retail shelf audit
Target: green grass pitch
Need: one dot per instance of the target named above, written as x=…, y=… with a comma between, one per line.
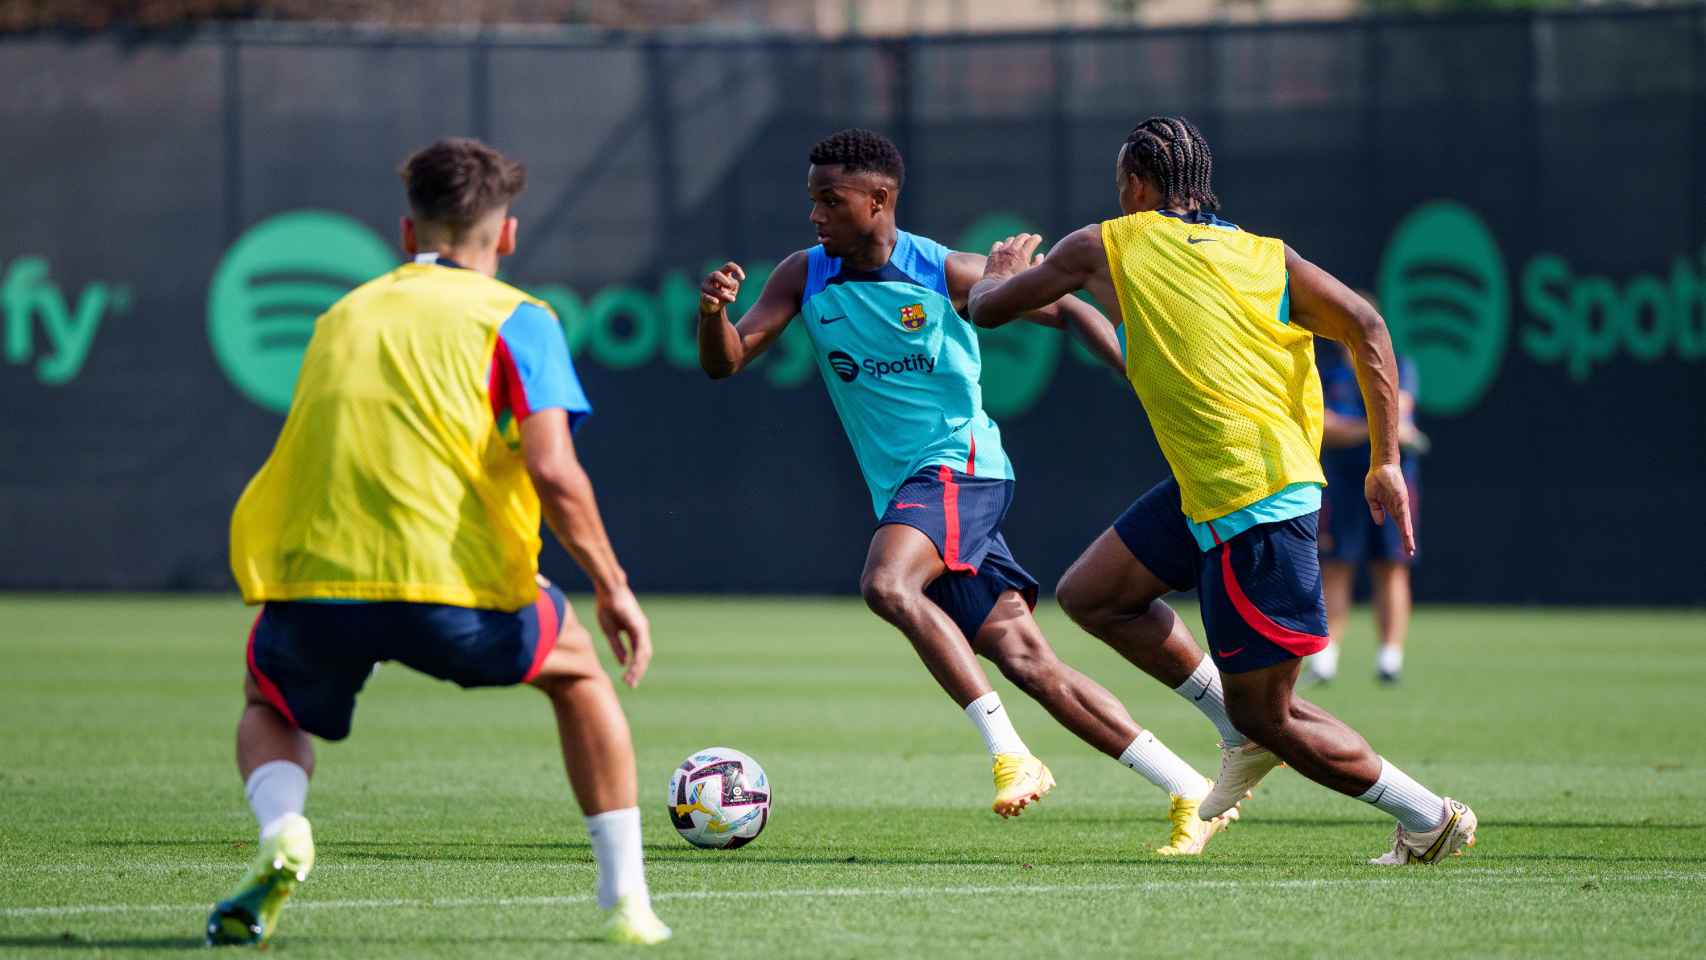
x=446, y=828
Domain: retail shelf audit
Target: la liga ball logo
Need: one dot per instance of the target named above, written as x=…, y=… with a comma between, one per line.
x=912, y=316
x=273, y=283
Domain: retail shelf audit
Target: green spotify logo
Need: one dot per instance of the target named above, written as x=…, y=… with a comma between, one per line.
x=1019, y=359
x=273, y=282
x=1444, y=294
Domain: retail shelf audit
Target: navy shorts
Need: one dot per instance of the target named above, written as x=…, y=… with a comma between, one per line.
x=310, y=659
x=962, y=514
x=1260, y=592
x=1348, y=533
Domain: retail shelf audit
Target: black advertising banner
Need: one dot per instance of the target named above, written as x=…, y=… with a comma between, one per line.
x=1522, y=195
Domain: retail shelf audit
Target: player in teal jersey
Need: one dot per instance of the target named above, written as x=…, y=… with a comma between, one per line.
x=885, y=312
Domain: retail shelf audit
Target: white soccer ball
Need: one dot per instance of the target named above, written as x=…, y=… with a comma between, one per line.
x=719, y=798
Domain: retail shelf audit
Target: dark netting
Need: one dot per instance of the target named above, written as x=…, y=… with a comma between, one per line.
x=1575, y=140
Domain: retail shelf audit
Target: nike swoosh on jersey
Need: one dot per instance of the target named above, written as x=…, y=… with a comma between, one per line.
x=1196, y=240
x=831, y=319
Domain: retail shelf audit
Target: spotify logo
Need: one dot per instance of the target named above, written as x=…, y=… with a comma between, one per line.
x=273, y=282
x=844, y=366
x=1444, y=294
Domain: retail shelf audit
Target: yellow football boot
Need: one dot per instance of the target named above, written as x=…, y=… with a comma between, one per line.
x=1190, y=832
x=249, y=914
x=1020, y=779
x=632, y=922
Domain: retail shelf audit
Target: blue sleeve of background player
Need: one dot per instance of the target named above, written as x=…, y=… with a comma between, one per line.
x=533, y=361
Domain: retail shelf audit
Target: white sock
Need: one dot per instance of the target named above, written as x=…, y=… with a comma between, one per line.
x=1326, y=663
x=615, y=836
x=1163, y=767
x=1202, y=690
x=1416, y=807
x=990, y=718
x=1389, y=660
x=276, y=790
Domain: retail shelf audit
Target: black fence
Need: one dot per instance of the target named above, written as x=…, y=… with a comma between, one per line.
x=1523, y=193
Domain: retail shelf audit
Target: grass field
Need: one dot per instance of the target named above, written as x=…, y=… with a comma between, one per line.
x=445, y=826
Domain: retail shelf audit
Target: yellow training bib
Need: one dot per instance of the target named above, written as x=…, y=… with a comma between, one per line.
x=392, y=479
x=1228, y=383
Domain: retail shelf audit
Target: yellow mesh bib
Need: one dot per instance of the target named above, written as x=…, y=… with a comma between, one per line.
x=1228, y=383
x=391, y=479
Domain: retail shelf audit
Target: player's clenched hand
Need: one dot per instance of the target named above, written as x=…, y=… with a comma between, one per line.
x=1011, y=255
x=1388, y=496
x=629, y=632
x=720, y=288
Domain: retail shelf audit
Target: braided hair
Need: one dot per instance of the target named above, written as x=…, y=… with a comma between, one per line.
x=860, y=151
x=1171, y=152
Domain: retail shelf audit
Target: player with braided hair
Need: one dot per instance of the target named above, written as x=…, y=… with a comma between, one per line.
x=885, y=312
x=1220, y=326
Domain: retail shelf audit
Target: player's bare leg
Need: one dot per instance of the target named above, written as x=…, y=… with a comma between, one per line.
x=599, y=755
x=1114, y=597
x=597, y=748
x=1327, y=751
x=1011, y=639
x=1337, y=578
x=902, y=561
x=1391, y=587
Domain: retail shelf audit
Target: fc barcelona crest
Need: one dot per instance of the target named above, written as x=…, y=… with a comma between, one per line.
x=912, y=317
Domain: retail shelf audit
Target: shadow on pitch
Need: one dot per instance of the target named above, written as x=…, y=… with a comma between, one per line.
x=72, y=941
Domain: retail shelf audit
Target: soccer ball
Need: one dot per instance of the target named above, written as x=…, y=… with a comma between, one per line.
x=719, y=799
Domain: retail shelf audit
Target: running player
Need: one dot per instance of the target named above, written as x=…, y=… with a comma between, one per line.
x=1219, y=328
x=398, y=519
x=883, y=309
x=1349, y=538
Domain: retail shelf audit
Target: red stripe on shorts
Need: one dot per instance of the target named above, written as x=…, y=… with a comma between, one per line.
x=951, y=522
x=1293, y=641
x=549, y=624
x=268, y=688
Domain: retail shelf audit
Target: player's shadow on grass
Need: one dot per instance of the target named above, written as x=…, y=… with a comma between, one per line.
x=72, y=941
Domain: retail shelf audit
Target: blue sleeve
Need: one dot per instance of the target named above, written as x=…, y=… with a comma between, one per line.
x=1407, y=376
x=539, y=368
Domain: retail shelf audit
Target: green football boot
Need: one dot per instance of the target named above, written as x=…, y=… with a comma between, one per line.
x=249, y=914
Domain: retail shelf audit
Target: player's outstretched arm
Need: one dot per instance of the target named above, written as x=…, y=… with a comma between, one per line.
x=1326, y=307
x=726, y=348
x=571, y=511
x=1008, y=289
x=1084, y=322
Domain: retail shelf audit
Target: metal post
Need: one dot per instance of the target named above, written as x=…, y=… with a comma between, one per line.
x=231, y=71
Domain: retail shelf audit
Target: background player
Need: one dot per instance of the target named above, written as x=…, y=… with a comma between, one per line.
x=882, y=307
x=1219, y=328
x=398, y=519
x=1349, y=538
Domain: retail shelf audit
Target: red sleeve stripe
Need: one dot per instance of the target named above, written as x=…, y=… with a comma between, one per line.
x=503, y=384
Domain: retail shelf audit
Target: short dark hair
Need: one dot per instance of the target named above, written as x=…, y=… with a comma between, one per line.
x=1171, y=152
x=861, y=151
x=458, y=181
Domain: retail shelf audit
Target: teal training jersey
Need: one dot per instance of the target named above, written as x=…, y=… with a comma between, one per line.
x=901, y=366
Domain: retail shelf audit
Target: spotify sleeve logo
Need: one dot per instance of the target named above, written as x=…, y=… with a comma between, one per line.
x=272, y=283
x=1444, y=294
